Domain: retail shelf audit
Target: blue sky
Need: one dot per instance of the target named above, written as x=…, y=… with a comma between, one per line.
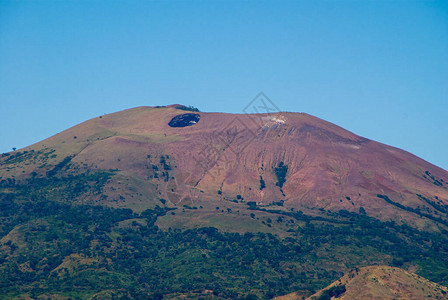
x=376, y=68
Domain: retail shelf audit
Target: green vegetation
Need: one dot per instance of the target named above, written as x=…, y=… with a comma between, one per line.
x=59, y=166
x=433, y=179
x=21, y=156
x=252, y=204
x=61, y=189
x=187, y=108
x=163, y=162
x=335, y=291
x=414, y=210
x=280, y=172
x=52, y=247
x=437, y=205
x=262, y=183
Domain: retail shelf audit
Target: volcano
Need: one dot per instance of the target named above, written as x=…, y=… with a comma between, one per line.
x=292, y=160
x=169, y=202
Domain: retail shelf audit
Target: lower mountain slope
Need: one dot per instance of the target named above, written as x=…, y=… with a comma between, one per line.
x=50, y=249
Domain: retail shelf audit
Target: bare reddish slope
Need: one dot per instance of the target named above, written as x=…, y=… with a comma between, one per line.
x=225, y=155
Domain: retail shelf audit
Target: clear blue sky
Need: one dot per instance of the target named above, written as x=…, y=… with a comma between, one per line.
x=377, y=68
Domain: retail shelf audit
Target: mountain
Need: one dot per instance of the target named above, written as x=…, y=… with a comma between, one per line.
x=166, y=202
x=378, y=282
x=293, y=158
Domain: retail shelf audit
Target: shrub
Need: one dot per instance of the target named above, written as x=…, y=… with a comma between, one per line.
x=280, y=172
x=187, y=108
x=334, y=291
x=262, y=183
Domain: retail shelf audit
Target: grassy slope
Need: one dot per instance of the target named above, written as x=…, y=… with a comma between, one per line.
x=387, y=283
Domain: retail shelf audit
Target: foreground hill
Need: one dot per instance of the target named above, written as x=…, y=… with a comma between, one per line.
x=165, y=202
x=378, y=282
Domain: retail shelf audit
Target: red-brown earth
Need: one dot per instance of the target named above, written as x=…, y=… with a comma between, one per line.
x=223, y=156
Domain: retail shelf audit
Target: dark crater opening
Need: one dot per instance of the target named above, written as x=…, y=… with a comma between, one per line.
x=184, y=120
